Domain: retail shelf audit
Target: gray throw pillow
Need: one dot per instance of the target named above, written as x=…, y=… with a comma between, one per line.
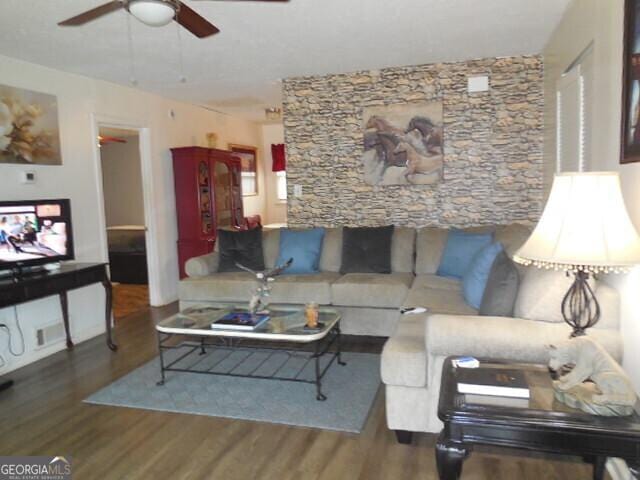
x=243, y=247
x=366, y=249
x=500, y=293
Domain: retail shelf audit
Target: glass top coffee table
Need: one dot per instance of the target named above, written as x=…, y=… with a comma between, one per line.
x=282, y=343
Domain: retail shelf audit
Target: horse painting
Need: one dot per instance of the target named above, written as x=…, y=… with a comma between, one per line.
x=403, y=144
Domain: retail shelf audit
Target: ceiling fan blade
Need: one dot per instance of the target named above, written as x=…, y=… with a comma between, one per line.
x=193, y=22
x=105, y=139
x=92, y=14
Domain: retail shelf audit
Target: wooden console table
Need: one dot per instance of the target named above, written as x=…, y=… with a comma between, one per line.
x=69, y=276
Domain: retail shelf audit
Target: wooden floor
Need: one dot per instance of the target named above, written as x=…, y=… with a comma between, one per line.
x=43, y=414
x=128, y=299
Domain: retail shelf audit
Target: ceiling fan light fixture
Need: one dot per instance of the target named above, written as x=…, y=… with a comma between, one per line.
x=154, y=13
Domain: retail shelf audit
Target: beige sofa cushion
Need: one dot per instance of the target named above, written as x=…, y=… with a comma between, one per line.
x=379, y=322
x=239, y=286
x=436, y=281
x=541, y=293
x=331, y=256
x=505, y=338
x=301, y=289
x=430, y=243
x=371, y=289
x=403, y=244
x=438, y=295
x=404, y=357
x=226, y=286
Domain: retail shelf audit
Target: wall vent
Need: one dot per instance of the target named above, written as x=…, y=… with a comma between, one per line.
x=49, y=334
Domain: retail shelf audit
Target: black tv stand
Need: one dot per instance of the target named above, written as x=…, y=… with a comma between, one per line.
x=19, y=272
x=15, y=290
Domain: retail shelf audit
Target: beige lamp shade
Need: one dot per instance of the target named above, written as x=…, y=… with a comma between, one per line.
x=584, y=226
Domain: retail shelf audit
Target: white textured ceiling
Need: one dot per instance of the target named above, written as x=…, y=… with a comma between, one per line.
x=239, y=70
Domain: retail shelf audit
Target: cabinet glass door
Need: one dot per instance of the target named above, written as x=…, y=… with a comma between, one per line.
x=223, y=193
x=204, y=199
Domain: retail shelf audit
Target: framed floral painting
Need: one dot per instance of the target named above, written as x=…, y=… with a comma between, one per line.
x=29, y=131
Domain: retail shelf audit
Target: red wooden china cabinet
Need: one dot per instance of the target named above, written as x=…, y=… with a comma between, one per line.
x=208, y=197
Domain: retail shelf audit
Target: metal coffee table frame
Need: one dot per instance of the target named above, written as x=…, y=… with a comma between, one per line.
x=321, y=347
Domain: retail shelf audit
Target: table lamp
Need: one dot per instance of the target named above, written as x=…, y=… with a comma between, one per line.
x=584, y=230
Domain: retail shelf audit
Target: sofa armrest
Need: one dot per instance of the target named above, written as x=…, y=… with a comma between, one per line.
x=404, y=356
x=505, y=338
x=203, y=265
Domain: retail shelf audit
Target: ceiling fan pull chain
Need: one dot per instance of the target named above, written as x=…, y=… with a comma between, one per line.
x=183, y=78
x=132, y=66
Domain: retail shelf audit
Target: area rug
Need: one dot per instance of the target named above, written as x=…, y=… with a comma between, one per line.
x=350, y=391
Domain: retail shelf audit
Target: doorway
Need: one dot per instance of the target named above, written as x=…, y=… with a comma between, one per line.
x=124, y=215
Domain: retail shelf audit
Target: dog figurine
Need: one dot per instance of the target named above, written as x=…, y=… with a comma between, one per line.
x=609, y=391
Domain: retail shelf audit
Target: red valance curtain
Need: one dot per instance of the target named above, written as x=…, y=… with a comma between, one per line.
x=279, y=158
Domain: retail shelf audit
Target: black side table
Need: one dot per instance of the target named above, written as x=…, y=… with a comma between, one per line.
x=544, y=425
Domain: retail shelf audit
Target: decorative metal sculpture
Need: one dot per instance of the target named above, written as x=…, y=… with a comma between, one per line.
x=596, y=384
x=260, y=298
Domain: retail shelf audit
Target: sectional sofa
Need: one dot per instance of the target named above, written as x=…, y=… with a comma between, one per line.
x=369, y=303
x=418, y=344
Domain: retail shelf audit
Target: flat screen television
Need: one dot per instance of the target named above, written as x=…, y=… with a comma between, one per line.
x=34, y=233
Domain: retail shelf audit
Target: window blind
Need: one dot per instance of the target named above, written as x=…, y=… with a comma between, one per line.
x=574, y=115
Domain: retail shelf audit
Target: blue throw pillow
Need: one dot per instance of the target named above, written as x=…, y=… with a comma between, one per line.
x=475, y=280
x=304, y=246
x=459, y=251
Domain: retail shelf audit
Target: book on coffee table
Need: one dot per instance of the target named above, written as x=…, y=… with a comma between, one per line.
x=490, y=381
x=240, y=321
x=496, y=401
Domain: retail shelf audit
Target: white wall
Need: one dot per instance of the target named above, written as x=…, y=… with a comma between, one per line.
x=276, y=210
x=122, y=182
x=78, y=99
x=600, y=22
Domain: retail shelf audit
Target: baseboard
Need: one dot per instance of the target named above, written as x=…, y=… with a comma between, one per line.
x=35, y=355
x=618, y=469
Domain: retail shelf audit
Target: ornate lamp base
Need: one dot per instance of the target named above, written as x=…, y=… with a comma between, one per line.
x=580, y=308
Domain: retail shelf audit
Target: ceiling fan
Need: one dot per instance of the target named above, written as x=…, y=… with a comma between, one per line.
x=154, y=13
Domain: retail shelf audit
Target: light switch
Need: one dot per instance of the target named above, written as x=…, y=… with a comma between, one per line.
x=28, y=177
x=297, y=190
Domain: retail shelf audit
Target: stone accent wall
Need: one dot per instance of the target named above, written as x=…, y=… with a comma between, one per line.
x=493, y=145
